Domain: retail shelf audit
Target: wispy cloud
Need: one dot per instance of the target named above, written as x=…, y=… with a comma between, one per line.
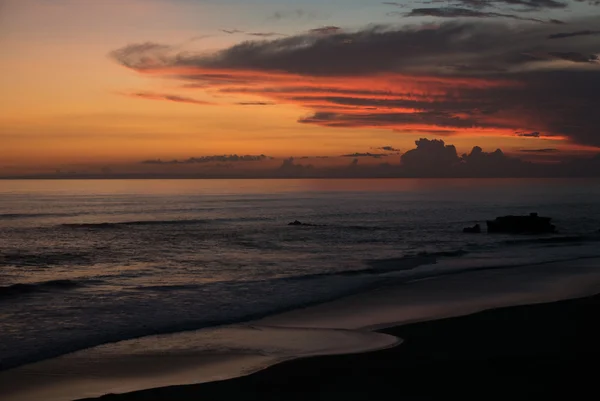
x=546, y=150
x=326, y=30
x=167, y=97
x=388, y=149
x=373, y=155
x=255, y=103
x=529, y=134
x=517, y=5
x=265, y=34
x=457, y=12
x=297, y=14
x=231, y=31
x=575, y=57
x=211, y=159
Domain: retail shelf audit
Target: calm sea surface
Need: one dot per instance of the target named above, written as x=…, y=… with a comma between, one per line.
x=88, y=262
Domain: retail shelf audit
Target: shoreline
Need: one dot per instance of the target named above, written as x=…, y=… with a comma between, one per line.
x=522, y=352
x=344, y=326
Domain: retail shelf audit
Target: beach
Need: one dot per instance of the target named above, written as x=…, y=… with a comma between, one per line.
x=523, y=352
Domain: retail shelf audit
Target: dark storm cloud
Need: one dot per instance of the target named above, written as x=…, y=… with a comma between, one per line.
x=211, y=159
x=563, y=35
x=376, y=49
x=389, y=149
x=510, y=77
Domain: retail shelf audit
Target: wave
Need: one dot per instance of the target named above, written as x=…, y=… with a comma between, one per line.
x=247, y=317
x=182, y=222
x=19, y=289
x=13, y=216
x=376, y=267
x=554, y=240
x=133, y=224
x=42, y=259
x=446, y=254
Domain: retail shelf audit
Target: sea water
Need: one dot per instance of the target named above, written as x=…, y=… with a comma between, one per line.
x=84, y=263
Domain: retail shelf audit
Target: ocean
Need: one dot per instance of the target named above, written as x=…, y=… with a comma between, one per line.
x=90, y=262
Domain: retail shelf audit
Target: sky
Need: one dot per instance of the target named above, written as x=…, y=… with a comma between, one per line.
x=248, y=87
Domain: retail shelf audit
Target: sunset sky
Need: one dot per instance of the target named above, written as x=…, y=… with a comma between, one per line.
x=104, y=86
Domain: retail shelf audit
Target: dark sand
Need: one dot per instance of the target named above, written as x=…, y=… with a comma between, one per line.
x=546, y=351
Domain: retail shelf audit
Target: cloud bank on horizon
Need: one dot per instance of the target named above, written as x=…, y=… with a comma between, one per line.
x=465, y=70
x=430, y=158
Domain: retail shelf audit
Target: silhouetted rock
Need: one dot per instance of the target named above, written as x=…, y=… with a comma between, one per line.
x=532, y=224
x=476, y=229
x=299, y=223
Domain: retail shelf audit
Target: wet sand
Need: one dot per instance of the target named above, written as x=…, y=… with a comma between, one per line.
x=542, y=351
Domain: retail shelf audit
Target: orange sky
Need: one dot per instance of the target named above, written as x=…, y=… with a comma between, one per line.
x=65, y=102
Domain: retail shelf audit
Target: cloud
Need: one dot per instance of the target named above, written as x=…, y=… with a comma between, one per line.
x=532, y=4
x=255, y=104
x=170, y=98
x=546, y=150
x=575, y=57
x=231, y=31
x=147, y=53
x=265, y=34
x=452, y=78
x=211, y=159
x=290, y=168
x=430, y=157
x=457, y=12
x=529, y=134
x=393, y=3
x=373, y=155
x=298, y=14
x=563, y=35
x=433, y=158
x=389, y=149
x=527, y=5
x=326, y=30
x=524, y=5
